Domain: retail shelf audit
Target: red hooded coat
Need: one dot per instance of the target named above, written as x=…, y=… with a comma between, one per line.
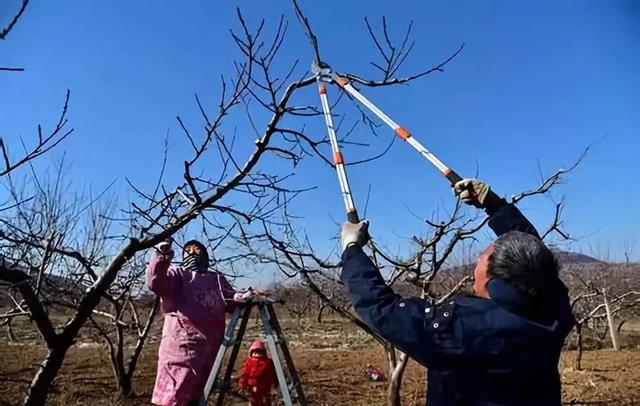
x=258, y=373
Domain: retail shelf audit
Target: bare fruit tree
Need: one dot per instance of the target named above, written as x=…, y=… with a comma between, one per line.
x=53, y=243
x=601, y=293
x=11, y=162
x=121, y=324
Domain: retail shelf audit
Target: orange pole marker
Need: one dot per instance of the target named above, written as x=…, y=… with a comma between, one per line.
x=403, y=133
x=342, y=82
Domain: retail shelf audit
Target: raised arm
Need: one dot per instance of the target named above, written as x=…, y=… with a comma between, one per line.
x=407, y=323
x=161, y=279
x=503, y=216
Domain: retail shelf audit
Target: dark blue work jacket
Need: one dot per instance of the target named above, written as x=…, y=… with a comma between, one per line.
x=477, y=351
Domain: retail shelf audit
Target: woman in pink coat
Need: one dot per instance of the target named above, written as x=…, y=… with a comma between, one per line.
x=194, y=301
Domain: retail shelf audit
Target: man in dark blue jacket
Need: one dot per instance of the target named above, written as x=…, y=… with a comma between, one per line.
x=498, y=347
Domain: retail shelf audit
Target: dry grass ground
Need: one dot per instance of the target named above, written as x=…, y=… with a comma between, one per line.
x=331, y=358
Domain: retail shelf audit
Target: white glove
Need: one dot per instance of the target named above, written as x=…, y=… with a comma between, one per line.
x=244, y=297
x=164, y=248
x=355, y=234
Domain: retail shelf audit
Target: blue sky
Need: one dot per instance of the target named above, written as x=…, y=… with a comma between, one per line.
x=536, y=82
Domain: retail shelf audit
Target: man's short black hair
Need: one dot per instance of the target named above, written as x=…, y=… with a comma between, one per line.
x=527, y=264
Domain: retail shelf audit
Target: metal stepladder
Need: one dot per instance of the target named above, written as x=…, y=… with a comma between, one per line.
x=291, y=390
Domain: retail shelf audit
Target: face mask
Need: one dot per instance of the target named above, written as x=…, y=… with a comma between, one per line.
x=195, y=263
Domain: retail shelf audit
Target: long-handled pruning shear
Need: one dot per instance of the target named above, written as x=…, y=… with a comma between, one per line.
x=324, y=74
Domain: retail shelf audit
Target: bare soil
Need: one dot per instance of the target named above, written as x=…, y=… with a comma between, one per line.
x=330, y=357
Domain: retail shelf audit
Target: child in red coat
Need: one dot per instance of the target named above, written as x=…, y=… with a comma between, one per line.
x=258, y=375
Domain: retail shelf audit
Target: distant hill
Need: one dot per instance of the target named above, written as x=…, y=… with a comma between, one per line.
x=568, y=257
x=568, y=260
x=564, y=258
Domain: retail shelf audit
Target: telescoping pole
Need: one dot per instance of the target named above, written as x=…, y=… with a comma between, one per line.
x=338, y=158
x=400, y=131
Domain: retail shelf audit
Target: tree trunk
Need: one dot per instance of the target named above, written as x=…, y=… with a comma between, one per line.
x=319, y=317
x=116, y=351
x=578, y=360
x=612, y=330
x=39, y=388
x=397, y=366
x=395, y=381
x=12, y=337
x=118, y=363
x=125, y=385
x=59, y=343
x=126, y=380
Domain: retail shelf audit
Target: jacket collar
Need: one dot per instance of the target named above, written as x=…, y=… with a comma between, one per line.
x=506, y=295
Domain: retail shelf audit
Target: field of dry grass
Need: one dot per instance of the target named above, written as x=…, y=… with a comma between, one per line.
x=331, y=358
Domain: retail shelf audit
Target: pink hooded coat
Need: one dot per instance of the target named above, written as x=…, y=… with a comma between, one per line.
x=194, y=320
